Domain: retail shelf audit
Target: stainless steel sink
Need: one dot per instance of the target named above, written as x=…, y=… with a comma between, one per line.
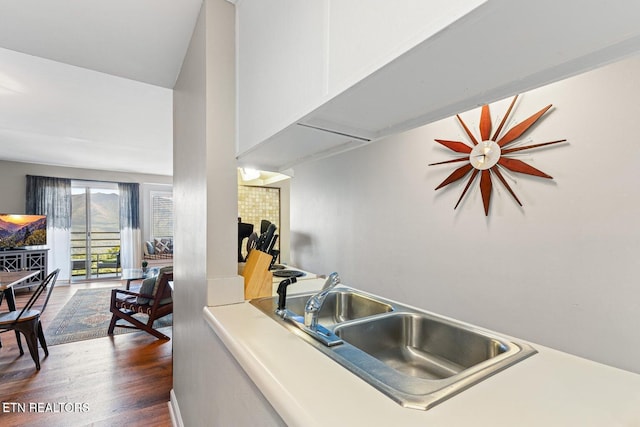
x=340, y=306
x=421, y=346
x=417, y=358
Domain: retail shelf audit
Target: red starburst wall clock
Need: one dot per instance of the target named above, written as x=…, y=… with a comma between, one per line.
x=487, y=156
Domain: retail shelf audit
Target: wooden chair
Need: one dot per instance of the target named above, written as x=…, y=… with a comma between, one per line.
x=27, y=320
x=155, y=304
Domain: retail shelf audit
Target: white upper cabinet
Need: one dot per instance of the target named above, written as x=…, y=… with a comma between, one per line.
x=319, y=76
x=280, y=65
x=294, y=56
x=364, y=35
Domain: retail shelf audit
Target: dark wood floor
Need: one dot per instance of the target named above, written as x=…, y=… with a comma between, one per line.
x=122, y=380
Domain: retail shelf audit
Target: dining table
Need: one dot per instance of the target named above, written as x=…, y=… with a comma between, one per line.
x=8, y=279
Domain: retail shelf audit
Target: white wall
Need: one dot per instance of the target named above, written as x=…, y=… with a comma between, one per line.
x=13, y=180
x=561, y=271
x=285, y=220
x=209, y=387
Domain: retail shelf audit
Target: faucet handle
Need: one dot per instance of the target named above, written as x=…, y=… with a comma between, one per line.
x=332, y=280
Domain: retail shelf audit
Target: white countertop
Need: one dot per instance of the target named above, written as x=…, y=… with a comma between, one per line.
x=307, y=388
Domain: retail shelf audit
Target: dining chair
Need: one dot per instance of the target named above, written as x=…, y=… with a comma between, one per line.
x=27, y=321
x=2, y=293
x=44, y=305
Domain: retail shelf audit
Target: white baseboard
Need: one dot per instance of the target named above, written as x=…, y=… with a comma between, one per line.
x=174, y=410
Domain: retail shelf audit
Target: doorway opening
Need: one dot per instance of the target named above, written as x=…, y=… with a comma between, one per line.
x=95, y=230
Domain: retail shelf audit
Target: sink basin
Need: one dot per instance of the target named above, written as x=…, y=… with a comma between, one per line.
x=421, y=346
x=417, y=358
x=341, y=306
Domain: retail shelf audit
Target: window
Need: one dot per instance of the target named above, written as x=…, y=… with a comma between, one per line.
x=95, y=229
x=161, y=214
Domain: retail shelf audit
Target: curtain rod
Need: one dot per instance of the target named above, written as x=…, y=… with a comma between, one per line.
x=84, y=179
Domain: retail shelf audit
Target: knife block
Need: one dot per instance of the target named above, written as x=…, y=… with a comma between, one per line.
x=258, y=280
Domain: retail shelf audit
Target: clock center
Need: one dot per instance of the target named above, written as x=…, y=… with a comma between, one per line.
x=485, y=155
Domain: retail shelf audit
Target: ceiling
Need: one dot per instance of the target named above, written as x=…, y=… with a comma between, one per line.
x=88, y=83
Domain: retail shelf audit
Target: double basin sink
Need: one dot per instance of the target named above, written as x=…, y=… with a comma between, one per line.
x=416, y=358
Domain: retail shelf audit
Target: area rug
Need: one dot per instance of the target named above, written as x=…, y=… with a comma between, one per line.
x=86, y=316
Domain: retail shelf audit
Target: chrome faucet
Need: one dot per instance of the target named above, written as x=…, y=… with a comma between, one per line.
x=313, y=306
x=309, y=322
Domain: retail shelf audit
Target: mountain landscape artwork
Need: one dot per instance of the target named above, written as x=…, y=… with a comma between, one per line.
x=22, y=230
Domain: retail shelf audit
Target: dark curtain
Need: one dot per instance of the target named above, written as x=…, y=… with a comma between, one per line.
x=130, y=244
x=51, y=197
x=129, y=205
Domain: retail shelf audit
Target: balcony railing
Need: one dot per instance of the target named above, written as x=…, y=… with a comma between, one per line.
x=101, y=260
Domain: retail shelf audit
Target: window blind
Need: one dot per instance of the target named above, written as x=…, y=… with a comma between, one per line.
x=161, y=214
